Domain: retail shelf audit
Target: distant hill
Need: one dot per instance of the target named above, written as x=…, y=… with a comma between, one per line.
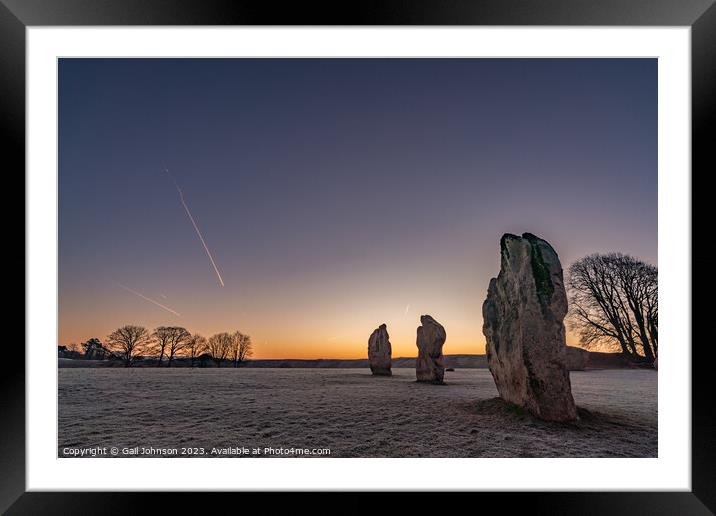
x=461, y=361
x=595, y=361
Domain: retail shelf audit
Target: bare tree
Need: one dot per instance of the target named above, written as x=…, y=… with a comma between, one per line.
x=218, y=346
x=246, y=348
x=614, y=304
x=162, y=335
x=241, y=348
x=73, y=347
x=178, y=340
x=93, y=349
x=639, y=281
x=652, y=310
x=195, y=346
x=128, y=342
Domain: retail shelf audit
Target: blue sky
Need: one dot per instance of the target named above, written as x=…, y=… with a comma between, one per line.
x=333, y=193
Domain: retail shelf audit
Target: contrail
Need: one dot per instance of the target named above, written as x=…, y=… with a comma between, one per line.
x=406, y=309
x=148, y=299
x=196, y=228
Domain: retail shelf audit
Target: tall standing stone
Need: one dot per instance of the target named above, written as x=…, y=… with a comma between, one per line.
x=523, y=323
x=430, y=365
x=379, y=351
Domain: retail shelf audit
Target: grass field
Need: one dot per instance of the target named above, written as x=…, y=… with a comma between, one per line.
x=346, y=411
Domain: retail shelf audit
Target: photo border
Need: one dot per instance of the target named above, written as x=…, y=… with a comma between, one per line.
x=699, y=15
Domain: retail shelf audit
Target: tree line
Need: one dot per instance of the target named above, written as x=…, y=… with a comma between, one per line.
x=131, y=343
x=614, y=304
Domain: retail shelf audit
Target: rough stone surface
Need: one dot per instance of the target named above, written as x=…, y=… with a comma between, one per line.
x=523, y=323
x=379, y=351
x=577, y=358
x=430, y=364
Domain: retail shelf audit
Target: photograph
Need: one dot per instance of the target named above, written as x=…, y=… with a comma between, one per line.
x=357, y=257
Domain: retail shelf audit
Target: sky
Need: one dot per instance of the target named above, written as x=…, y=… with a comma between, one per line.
x=338, y=194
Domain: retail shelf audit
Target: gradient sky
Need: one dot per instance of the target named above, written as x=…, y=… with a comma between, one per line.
x=338, y=194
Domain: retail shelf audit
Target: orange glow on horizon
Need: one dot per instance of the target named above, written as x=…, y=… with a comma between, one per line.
x=349, y=348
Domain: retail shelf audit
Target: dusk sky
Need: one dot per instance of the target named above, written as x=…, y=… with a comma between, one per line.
x=339, y=194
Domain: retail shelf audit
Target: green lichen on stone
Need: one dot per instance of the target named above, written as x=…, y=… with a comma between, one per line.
x=503, y=244
x=540, y=271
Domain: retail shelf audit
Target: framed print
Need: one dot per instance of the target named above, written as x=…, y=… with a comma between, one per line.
x=424, y=239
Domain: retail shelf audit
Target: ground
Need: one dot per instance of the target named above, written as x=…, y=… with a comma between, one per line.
x=349, y=412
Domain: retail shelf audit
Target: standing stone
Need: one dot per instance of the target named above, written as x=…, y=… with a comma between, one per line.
x=430, y=365
x=379, y=351
x=523, y=323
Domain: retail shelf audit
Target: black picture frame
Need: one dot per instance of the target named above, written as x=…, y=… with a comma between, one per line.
x=700, y=15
